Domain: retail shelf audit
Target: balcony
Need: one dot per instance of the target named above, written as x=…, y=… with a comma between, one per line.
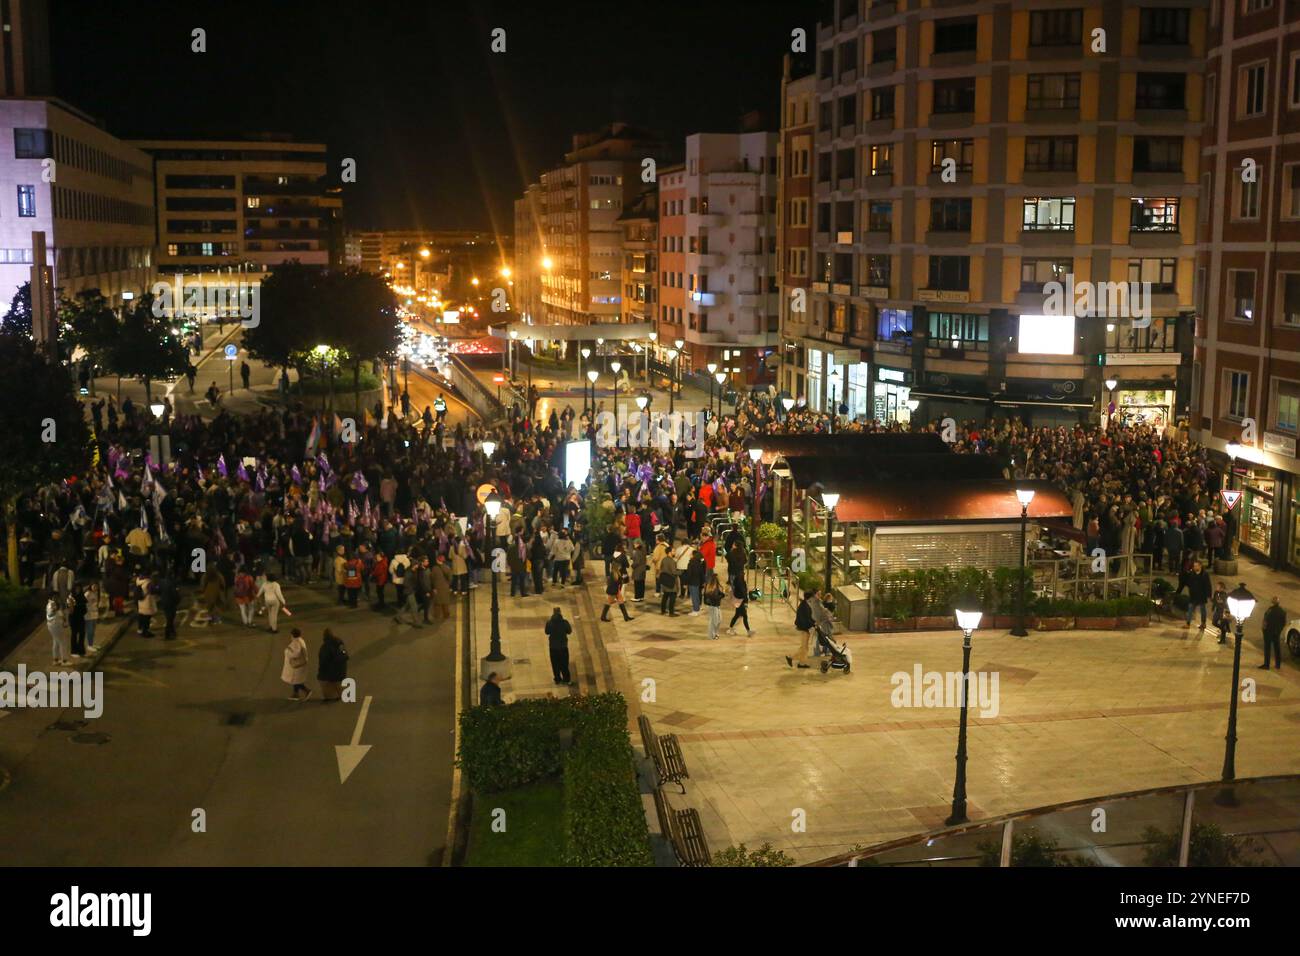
x=711, y=258
x=710, y=219
x=707, y=299
x=757, y=300
x=750, y=220
x=754, y=259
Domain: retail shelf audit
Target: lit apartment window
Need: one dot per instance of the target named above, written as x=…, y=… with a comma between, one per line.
x=1251, y=81
x=1048, y=214
x=1051, y=153
x=1052, y=91
x=1242, y=284
x=1153, y=214
x=1157, y=154
x=880, y=216
x=1237, y=393
x=1289, y=294
x=1160, y=273
x=1247, y=204
x=960, y=151
x=879, y=270
x=1161, y=91
x=959, y=330
x=207, y=249
x=253, y=202
x=894, y=325
x=951, y=273
x=172, y=249
x=27, y=201
x=950, y=215
x=955, y=95
x=1035, y=272
x=1161, y=25
x=881, y=161
x=1288, y=406
x=1159, y=336
x=1055, y=27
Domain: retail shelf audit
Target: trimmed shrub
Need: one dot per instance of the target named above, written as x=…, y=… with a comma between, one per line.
x=765, y=855
x=1209, y=846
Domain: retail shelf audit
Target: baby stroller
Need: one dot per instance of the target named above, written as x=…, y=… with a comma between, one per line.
x=841, y=658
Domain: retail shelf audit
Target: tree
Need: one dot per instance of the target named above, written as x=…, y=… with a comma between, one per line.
x=359, y=313
x=46, y=437
x=145, y=346
x=19, y=316
x=88, y=327
x=289, y=323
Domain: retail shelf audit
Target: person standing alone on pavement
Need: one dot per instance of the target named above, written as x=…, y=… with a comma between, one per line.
x=804, y=624
x=668, y=584
x=1199, y=587
x=331, y=667
x=294, y=671
x=1274, y=621
x=557, y=637
x=273, y=598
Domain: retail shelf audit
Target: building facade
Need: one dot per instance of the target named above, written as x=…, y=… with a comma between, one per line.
x=237, y=208
x=529, y=257
x=794, y=224
x=640, y=268
x=1248, y=267
x=89, y=193
x=989, y=185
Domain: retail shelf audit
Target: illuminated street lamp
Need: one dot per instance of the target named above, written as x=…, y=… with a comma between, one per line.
x=489, y=448
x=614, y=367
x=720, y=377
x=1025, y=496
x=967, y=621
x=1241, y=604
x=672, y=378
x=830, y=499
x=492, y=506
x=592, y=375
x=583, y=353
x=755, y=456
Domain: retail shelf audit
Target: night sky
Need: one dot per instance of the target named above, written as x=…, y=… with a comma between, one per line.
x=445, y=133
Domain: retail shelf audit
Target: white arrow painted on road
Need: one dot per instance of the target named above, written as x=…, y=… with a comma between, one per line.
x=350, y=755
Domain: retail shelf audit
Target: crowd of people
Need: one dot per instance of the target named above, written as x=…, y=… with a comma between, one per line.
x=395, y=520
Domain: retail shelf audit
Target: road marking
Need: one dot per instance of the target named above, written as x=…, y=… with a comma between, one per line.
x=350, y=755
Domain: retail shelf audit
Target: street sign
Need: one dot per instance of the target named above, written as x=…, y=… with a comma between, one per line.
x=232, y=352
x=1230, y=498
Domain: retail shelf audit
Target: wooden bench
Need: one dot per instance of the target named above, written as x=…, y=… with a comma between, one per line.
x=666, y=754
x=683, y=830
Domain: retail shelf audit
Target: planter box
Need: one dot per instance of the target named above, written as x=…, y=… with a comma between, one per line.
x=1128, y=623
x=1096, y=623
x=936, y=623
x=890, y=624
x=1008, y=621
x=1054, y=623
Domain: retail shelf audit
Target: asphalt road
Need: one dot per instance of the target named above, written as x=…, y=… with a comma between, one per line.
x=203, y=723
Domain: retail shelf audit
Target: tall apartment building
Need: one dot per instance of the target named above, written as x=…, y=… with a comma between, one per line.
x=794, y=222
x=966, y=157
x=89, y=193
x=1248, y=267
x=243, y=206
x=580, y=235
x=640, y=268
x=526, y=298
x=718, y=245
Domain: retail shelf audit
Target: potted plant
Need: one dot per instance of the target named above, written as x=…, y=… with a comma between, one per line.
x=1096, y=615
x=1134, y=612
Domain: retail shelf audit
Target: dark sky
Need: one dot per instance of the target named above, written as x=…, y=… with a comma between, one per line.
x=444, y=131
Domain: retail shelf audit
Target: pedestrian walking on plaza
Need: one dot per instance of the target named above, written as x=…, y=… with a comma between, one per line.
x=694, y=580
x=557, y=638
x=668, y=584
x=1274, y=621
x=56, y=622
x=146, y=604
x=271, y=595
x=640, y=565
x=77, y=622
x=614, y=594
x=713, y=595
x=1199, y=587
x=331, y=666
x=440, y=574
x=397, y=570
x=423, y=588
x=92, y=596
x=740, y=601
x=245, y=592
x=1219, y=611
x=561, y=556
x=244, y=373
x=294, y=671
x=489, y=695
x=805, y=624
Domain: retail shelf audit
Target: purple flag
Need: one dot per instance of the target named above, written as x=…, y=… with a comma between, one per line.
x=359, y=483
x=241, y=472
x=323, y=462
x=295, y=475
x=221, y=465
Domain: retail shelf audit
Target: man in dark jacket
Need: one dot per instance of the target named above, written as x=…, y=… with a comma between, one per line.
x=169, y=602
x=804, y=623
x=1199, y=588
x=557, y=637
x=489, y=695
x=1274, y=621
x=331, y=666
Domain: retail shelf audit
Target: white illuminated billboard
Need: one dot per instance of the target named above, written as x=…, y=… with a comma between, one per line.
x=1047, y=334
x=577, y=462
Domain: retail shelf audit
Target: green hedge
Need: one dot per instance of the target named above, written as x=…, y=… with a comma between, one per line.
x=1117, y=607
x=16, y=603
x=936, y=591
x=507, y=747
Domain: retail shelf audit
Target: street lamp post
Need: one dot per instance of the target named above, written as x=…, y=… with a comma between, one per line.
x=679, y=344
x=492, y=506
x=641, y=402
x=787, y=402
x=830, y=499
x=834, y=383
x=755, y=456
x=514, y=368
x=583, y=353
x=1241, y=603
x=713, y=369
x=721, y=377
x=592, y=375
x=1025, y=496
x=967, y=621
x=1110, y=384
x=614, y=367
x=672, y=378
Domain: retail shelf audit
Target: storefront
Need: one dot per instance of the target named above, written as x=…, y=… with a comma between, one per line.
x=1144, y=405
x=1255, y=510
x=892, y=395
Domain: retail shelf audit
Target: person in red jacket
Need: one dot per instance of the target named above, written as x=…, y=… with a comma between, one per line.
x=709, y=549
x=352, y=572
x=632, y=525
x=379, y=574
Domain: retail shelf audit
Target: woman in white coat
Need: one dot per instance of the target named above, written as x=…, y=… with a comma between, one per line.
x=271, y=596
x=56, y=620
x=295, y=665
